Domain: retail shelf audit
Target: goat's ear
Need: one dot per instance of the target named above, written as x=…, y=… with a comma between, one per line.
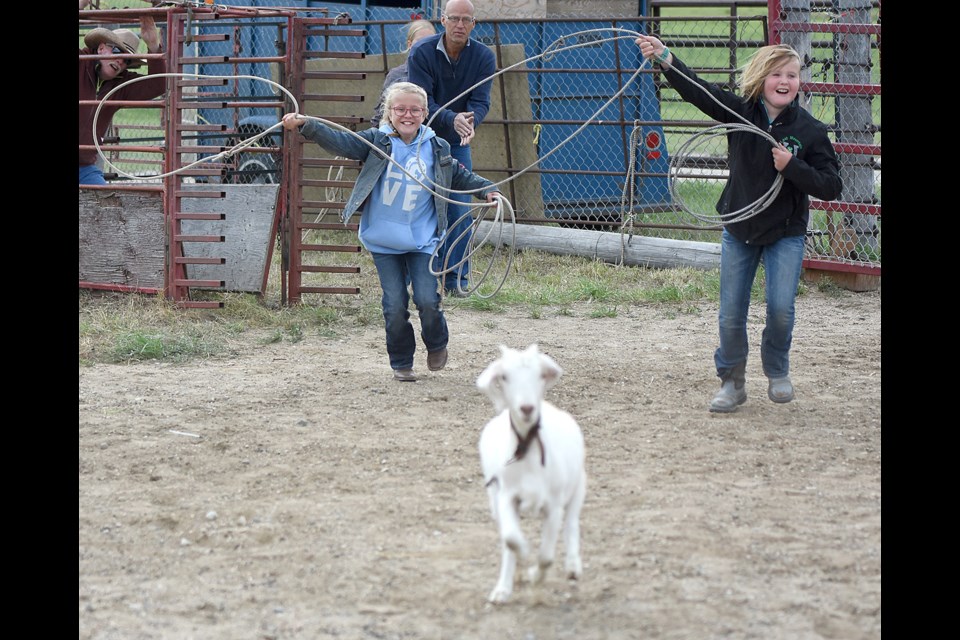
x=551, y=371
x=488, y=377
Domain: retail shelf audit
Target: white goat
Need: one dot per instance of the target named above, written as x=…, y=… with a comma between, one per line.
x=532, y=456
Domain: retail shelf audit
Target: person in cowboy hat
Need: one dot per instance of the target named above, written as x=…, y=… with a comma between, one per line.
x=99, y=77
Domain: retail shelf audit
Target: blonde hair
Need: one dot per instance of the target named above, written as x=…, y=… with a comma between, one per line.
x=763, y=63
x=416, y=27
x=391, y=94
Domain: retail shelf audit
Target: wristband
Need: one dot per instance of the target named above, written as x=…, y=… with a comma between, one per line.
x=662, y=58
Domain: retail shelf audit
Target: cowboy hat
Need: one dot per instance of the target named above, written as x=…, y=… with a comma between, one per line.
x=123, y=38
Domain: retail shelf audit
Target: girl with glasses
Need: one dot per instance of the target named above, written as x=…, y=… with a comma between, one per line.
x=401, y=222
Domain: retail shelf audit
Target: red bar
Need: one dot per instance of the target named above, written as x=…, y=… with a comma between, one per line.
x=199, y=283
x=331, y=97
x=846, y=207
x=198, y=149
x=153, y=188
x=201, y=127
x=203, y=82
x=828, y=27
x=350, y=290
x=829, y=265
x=863, y=149
x=125, y=288
x=200, y=216
x=183, y=260
x=121, y=56
x=200, y=194
x=321, y=269
x=258, y=59
x=117, y=147
x=139, y=104
x=839, y=88
x=201, y=105
x=199, y=239
x=204, y=60
x=210, y=37
x=341, y=248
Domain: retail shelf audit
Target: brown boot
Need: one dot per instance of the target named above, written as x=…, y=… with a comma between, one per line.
x=437, y=360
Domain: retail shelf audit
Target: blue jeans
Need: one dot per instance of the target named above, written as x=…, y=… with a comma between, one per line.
x=91, y=174
x=782, y=262
x=452, y=252
x=393, y=270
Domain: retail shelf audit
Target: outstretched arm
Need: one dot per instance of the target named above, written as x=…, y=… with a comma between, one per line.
x=691, y=88
x=334, y=141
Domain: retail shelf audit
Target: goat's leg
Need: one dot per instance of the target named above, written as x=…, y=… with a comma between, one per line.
x=504, y=587
x=513, y=543
x=549, y=533
x=509, y=520
x=571, y=531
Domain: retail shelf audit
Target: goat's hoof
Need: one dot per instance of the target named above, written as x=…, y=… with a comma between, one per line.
x=574, y=569
x=498, y=595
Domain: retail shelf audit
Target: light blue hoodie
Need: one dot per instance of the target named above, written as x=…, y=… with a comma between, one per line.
x=448, y=172
x=400, y=216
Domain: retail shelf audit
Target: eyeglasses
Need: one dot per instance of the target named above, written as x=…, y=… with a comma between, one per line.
x=460, y=19
x=416, y=112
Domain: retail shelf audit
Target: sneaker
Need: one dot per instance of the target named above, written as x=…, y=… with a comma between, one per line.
x=456, y=293
x=728, y=398
x=780, y=389
x=437, y=360
x=404, y=375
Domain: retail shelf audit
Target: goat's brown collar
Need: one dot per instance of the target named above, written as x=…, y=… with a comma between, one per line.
x=523, y=444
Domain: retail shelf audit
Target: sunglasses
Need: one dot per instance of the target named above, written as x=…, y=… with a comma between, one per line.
x=116, y=49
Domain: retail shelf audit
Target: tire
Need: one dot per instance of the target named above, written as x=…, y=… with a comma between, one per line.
x=257, y=168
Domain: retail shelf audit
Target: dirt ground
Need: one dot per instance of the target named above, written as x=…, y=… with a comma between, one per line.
x=294, y=490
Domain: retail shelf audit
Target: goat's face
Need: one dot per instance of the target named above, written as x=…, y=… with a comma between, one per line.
x=517, y=381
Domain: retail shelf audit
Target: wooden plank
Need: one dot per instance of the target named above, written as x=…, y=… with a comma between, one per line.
x=658, y=253
x=248, y=218
x=844, y=279
x=122, y=238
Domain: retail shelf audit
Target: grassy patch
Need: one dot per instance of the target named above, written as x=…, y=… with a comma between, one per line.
x=132, y=328
x=138, y=346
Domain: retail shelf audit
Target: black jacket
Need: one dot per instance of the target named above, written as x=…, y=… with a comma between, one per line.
x=813, y=171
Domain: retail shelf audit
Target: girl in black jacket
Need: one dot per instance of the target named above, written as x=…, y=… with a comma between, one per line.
x=804, y=156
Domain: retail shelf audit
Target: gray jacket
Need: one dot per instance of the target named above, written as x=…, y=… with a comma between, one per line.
x=449, y=172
